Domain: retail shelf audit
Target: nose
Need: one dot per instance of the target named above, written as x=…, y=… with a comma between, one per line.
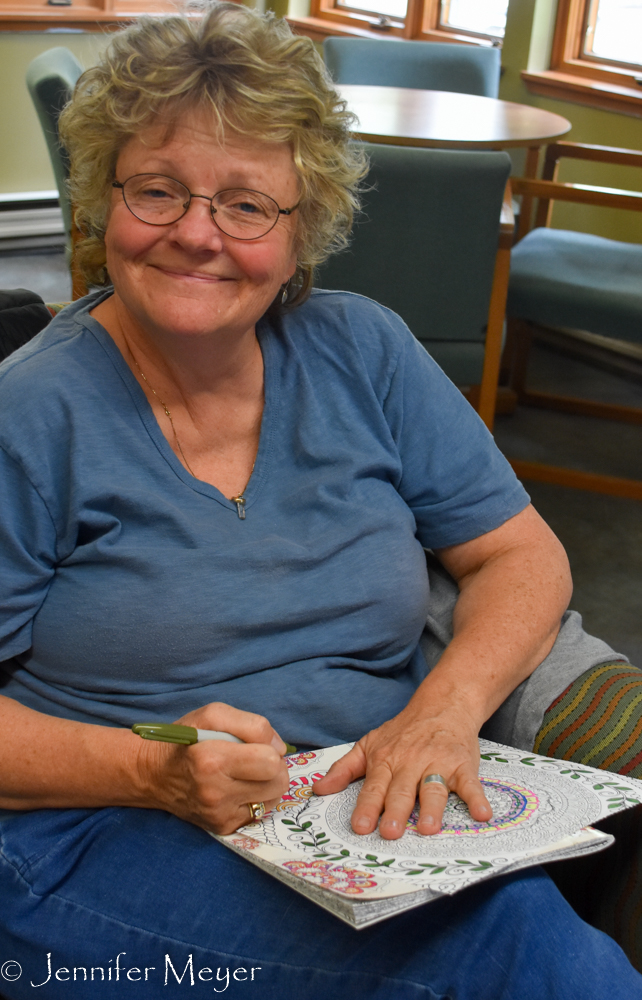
x=196, y=230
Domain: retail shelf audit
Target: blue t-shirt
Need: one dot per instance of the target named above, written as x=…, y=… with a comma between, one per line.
x=132, y=591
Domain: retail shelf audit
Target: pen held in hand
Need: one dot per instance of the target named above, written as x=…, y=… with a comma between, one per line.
x=171, y=732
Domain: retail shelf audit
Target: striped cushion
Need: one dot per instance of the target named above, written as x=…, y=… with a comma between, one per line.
x=597, y=720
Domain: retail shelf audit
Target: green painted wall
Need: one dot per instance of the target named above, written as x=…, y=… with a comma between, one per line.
x=24, y=163
x=527, y=45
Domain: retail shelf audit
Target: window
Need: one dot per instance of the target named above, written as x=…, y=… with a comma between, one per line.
x=479, y=17
x=613, y=32
x=472, y=21
x=596, y=57
x=394, y=9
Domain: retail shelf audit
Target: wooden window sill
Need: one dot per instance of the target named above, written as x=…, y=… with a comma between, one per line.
x=318, y=28
x=605, y=95
x=99, y=15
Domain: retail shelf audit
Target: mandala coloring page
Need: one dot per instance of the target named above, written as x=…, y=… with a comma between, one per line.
x=538, y=803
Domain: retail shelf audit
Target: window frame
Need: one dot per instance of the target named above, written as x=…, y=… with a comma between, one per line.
x=582, y=79
x=420, y=24
x=590, y=20
x=87, y=15
x=568, y=47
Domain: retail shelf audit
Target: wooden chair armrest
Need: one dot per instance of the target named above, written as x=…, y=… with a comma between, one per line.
x=507, y=219
x=601, y=154
x=585, y=194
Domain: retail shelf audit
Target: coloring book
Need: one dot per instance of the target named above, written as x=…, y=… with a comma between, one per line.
x=542, y=811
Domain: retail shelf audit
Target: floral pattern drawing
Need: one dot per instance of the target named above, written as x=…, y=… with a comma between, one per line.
x=300, y=789
x=329, y=876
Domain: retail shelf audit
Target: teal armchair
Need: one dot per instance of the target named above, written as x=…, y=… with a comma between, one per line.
x=429, y=244
x=387, y=62
x=51, y=78
x=574, y=281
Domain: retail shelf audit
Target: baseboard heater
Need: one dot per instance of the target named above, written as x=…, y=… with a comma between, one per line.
x=30, y=217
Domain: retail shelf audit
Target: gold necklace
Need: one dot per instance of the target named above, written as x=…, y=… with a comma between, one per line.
x=165, y=407
x=238, y=500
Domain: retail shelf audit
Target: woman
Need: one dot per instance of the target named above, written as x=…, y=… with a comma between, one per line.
x=214, y=508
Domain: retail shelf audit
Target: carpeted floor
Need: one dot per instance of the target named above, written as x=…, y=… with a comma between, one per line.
x=602, y=534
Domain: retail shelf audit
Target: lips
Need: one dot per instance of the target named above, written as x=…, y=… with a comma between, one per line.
x=188, y=275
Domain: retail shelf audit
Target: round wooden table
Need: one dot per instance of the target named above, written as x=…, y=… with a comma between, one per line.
x=439, y=119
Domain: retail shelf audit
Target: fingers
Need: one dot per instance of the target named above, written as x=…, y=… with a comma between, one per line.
x=240, y=773
x=245, y=816
x=209, y=784
x=343, y=771
x=224, y=782
x=387, y=792
x=390, y=790
x=248, y=726
x=433, y=797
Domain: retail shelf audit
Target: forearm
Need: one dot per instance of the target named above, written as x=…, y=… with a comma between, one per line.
x=505, y=623
x=46, y=762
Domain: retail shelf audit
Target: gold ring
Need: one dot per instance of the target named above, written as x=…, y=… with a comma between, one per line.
x=439, y=778
x=257, y=810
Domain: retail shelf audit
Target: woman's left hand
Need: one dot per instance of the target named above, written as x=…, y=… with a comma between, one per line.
x=396, y=757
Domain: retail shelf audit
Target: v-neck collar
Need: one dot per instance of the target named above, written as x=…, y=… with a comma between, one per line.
x=264, y=335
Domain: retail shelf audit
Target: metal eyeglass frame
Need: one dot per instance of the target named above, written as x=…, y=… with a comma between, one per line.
x=213, y=210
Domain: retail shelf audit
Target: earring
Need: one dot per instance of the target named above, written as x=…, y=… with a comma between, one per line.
x=284, y=293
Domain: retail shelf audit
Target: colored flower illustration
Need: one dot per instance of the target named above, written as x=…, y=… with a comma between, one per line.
x=245, y=843
x=300, y=758
x=299, y=791
x=325, y=874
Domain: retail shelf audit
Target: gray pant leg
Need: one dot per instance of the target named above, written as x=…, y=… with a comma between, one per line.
x=517, y=721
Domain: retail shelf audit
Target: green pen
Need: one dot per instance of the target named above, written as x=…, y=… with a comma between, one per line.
x=171, y=732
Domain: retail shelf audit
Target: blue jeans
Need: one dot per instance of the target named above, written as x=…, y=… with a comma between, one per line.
x=128, y=903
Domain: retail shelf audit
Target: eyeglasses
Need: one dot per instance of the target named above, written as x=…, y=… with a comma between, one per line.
x=238, y=212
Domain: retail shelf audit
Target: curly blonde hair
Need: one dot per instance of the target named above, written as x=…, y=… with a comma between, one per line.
x=254, y=77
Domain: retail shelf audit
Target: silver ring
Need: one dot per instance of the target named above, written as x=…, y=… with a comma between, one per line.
x=257, y=810
x=438, y=778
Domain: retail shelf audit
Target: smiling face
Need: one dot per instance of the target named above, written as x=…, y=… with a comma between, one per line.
x=189, y=278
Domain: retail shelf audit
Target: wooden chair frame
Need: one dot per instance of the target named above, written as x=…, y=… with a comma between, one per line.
x=520, y=332
x=484, y=397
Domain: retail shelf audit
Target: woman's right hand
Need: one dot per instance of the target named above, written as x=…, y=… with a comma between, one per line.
x=210, y=784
